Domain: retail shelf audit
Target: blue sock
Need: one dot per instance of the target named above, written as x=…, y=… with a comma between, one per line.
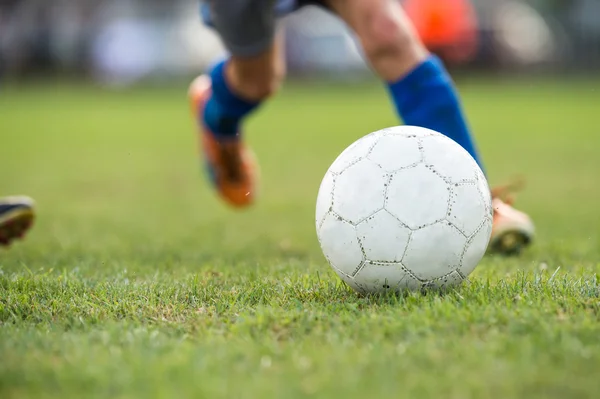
x=225, y=110
x=426, y=97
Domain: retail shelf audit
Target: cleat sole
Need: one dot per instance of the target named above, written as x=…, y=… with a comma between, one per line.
x=510, y=243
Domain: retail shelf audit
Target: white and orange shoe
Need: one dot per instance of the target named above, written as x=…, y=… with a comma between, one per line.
x=512, y=230
x=231, y=165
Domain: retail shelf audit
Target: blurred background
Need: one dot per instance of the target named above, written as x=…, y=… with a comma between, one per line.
x=119, y=42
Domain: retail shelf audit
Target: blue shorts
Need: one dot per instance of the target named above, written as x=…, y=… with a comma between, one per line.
x=247, y=27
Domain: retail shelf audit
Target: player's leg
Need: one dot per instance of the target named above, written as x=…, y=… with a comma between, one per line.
x=234, y=88
x=422, y=90
x=16, y=217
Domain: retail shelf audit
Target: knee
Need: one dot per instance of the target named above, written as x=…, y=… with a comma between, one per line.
x=257, y=81
x=266, y=84
x=386, y=34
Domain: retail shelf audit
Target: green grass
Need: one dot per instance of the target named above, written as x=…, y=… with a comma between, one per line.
x=137, y=282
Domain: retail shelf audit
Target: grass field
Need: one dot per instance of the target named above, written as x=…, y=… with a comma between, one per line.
x=137, y=282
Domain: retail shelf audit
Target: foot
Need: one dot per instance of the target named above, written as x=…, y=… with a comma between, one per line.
x=16, y=217
x=231, y=166
x=512, y=230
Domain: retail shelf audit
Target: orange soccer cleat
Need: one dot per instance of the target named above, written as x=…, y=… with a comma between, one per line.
x=231, y=166
x=512, y=230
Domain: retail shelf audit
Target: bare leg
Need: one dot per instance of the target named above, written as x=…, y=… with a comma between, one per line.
x=386, y=35
x=259, y=77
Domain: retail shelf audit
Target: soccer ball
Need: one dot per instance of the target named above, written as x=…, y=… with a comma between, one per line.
x=403, y=208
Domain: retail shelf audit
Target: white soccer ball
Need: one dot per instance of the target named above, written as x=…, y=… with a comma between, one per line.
x=404, y=208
